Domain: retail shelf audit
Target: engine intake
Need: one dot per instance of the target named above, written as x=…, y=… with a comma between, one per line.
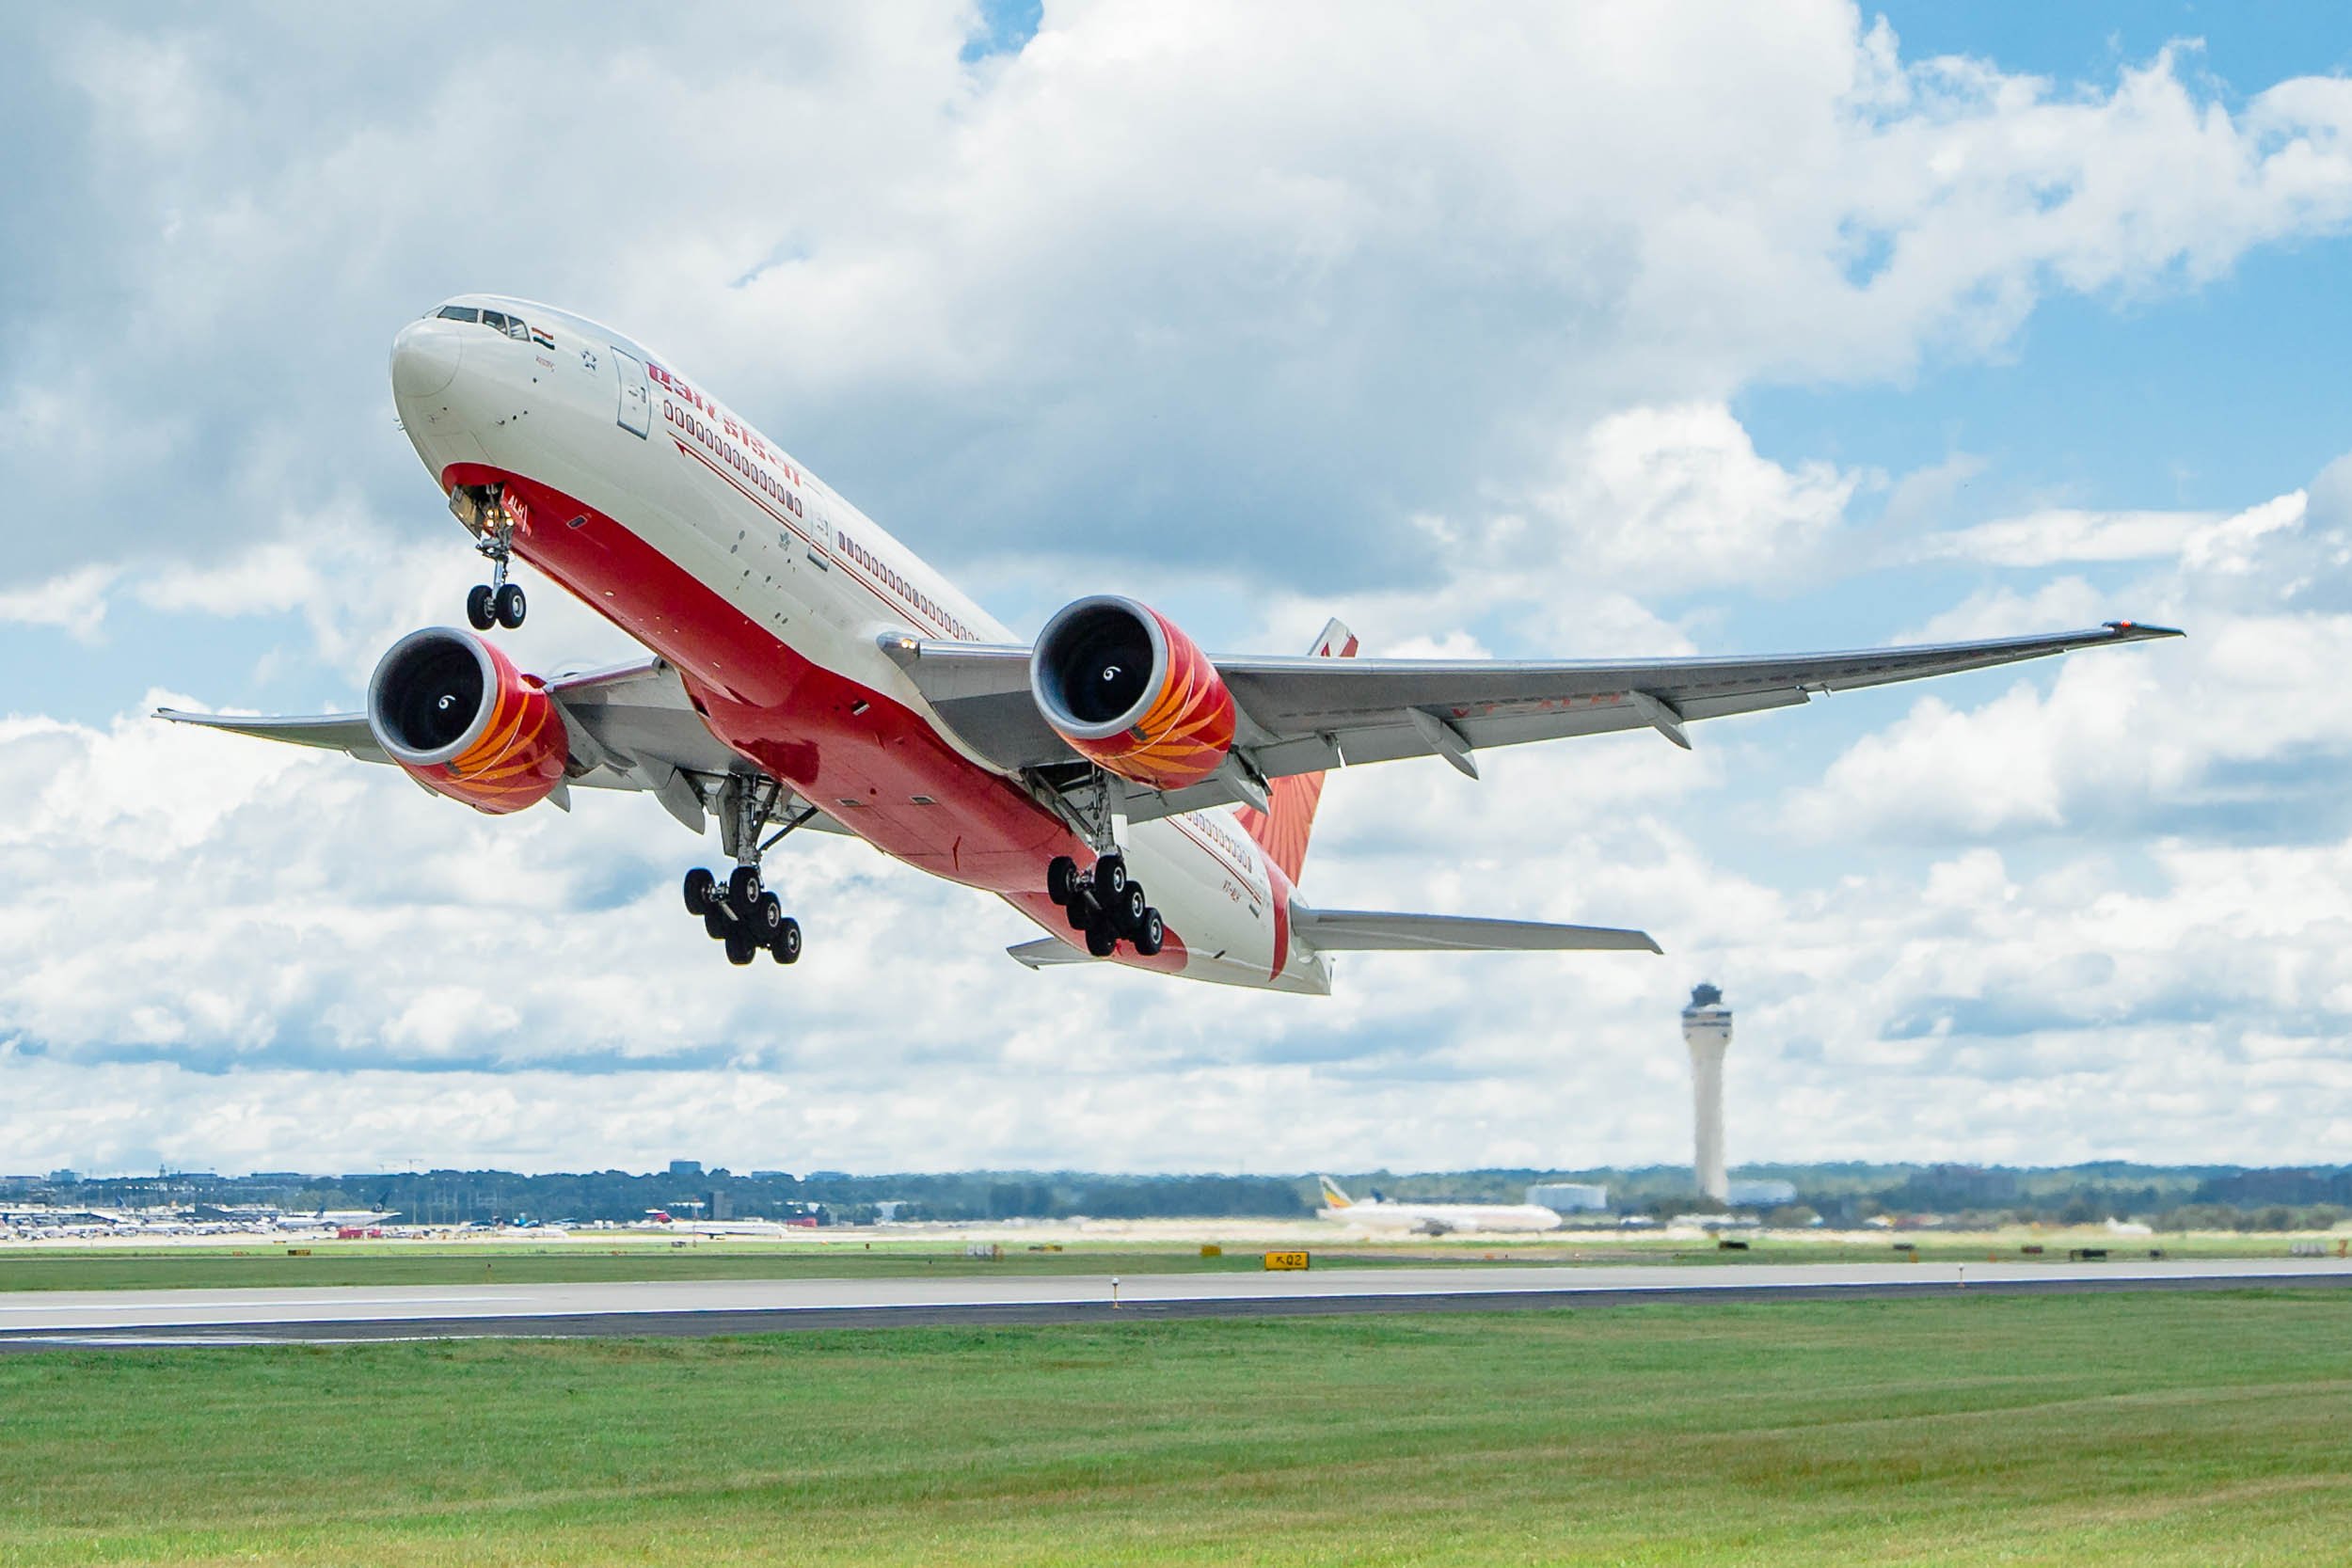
x=457, y=715
x=1132, y=693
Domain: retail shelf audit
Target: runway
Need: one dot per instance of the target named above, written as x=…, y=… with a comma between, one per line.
x=54, y=1320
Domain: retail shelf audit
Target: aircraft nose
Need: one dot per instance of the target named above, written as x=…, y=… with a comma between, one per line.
x=425, y=358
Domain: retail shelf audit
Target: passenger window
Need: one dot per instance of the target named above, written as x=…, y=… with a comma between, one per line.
x=460, y=313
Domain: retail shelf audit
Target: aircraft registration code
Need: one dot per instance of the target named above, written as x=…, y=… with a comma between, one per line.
x=1285, y=1260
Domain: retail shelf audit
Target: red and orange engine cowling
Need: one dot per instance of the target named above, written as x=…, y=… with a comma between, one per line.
x=455, y=713
x=1132, y=693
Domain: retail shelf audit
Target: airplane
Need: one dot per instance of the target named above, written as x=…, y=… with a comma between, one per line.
x=1434, y=1219
x=1140, y=800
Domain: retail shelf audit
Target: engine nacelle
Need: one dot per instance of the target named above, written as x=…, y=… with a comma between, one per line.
x=1132, y=693
x=461, y=719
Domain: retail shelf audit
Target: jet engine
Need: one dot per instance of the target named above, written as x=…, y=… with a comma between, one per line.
x=455, y=713
x=1132, y=693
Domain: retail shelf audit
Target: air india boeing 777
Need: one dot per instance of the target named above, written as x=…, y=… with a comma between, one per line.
x=1141, y=800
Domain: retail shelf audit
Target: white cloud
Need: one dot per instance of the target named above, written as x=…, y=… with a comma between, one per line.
x=2122, y=738
x=2064, y=535
x=73, y=601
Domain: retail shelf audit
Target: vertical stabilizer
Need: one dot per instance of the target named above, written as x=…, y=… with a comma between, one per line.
x=1282, y=830
x=1332, y=1196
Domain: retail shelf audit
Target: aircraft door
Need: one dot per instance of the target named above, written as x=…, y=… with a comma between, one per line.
x=636, y=398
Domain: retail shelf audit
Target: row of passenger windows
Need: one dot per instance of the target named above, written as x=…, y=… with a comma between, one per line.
x=496, y=320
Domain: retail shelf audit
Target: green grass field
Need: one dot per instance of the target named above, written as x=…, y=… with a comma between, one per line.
x=2199, y=1429
x=257, y=1264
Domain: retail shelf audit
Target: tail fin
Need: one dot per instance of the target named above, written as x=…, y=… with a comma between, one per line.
x=1282, y=830
x=1332, y=1196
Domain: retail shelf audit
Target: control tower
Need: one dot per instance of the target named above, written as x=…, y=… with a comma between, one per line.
x=1706, y=1030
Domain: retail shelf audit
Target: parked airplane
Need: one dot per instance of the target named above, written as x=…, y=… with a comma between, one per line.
x=1138, y=800
x=1436, y=1219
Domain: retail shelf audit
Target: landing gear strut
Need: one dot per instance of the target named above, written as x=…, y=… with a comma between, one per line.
x=741, y=912
x=1104, y=904
x=497, y=602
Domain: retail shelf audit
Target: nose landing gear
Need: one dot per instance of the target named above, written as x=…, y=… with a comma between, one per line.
x=497, y=602
x=1104, y=904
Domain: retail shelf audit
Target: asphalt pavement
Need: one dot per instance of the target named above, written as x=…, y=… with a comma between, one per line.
x=58, y=1318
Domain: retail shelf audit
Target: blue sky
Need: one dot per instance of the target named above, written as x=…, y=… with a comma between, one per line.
x=1641, y=331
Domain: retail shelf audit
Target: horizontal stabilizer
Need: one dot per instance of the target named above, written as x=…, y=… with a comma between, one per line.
x=1371, y=931
x=1046, y=950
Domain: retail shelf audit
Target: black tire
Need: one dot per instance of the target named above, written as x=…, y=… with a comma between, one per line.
x=1081, y=910
x=511, y=605
x=766, y=919
x=1110, y=880
x=1061, y=875
x=1101, y=941
x=481, y=612
x=1150, y=935
x=700, y=885
x=716, y=925
x=741, y=949
x=743, y=891
x=1132, y=906
x=786, y=947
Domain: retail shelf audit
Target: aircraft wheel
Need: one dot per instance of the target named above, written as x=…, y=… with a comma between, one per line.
x=766, y=919
x=510, y=605
x=741, y=947
x=481, y=608
x=1101, y=942
x=1129, y=909
x=716, y=924
x=1081, y=910
x=743, y=891
x=700, y=886
x=1151, y=934
x=1110, y=880
x=1061, y=876
x=787, y=946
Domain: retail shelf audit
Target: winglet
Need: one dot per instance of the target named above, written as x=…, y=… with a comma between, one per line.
x=2137, y=631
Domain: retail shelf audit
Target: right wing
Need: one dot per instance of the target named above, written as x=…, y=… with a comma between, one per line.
x=631, y=727
x=1306, y=715
x=1371, y=931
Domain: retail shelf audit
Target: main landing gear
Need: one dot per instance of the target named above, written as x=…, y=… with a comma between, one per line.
x=1104, y=904
x=497, y=602
x=748, y=918
x=741, y=912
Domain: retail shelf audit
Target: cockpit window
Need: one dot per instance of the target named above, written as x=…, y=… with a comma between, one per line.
x=496, y=321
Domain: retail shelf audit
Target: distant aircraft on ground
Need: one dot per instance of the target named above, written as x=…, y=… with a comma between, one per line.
x=1434, y=1219
x=337, y=1219
x=1138, y=800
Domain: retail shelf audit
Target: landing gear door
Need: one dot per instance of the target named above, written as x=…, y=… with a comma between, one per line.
x=636, y=398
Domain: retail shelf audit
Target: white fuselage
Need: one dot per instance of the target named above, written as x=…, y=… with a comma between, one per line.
x=680, y=522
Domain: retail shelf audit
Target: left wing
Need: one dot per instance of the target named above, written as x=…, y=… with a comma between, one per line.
x=1306, y=715
x=630, y=727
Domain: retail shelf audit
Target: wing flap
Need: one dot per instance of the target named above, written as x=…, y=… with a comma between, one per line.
x=1377, y=931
